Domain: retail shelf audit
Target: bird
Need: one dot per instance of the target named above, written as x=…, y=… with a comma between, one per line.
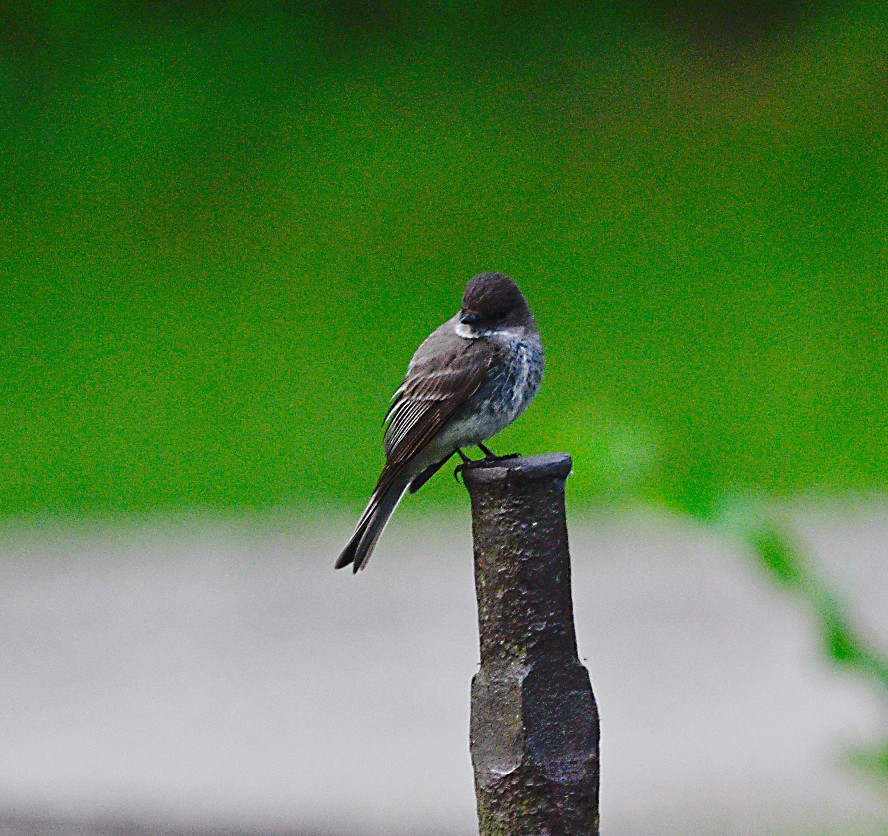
x=470, y=378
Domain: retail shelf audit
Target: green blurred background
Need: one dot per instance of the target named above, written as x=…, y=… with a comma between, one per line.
x=226, y=228
x=224, y=232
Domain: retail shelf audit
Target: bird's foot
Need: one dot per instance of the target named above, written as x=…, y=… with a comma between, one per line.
x=490, y=459
x=493, y=459
x=466, y=462
x=471, y=464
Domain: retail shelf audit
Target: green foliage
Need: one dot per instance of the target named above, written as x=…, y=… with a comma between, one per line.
x=225, y=232
x=776, y=555
x=842, y=642
x=874, y=760
x=774, y=547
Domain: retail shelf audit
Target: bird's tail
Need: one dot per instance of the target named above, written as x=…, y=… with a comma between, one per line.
x=385, y=499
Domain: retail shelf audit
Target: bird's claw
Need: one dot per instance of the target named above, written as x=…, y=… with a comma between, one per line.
x=495, y=459
x=487, y=461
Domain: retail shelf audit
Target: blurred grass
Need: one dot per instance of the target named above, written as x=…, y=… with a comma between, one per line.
x=225, y=232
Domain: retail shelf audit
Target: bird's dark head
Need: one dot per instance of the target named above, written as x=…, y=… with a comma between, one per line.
x=493, y=302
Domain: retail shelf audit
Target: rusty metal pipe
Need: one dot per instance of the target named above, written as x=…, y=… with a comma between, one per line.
x=534, y=724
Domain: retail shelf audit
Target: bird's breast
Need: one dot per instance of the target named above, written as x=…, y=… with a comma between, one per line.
x=518, y=376
x=510, y=387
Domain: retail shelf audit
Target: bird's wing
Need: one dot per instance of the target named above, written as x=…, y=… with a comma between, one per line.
x=444, y=373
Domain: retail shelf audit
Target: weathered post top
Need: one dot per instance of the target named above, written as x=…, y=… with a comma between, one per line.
x=534, y=726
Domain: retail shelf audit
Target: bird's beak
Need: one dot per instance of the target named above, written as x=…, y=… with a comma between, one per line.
x=469, y=318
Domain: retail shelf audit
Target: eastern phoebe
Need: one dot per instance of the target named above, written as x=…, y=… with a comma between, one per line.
x=469, y=380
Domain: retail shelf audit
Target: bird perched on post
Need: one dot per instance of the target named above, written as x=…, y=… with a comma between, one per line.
x=470, y=379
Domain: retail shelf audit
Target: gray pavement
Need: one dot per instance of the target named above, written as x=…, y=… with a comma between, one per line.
x=210, y=676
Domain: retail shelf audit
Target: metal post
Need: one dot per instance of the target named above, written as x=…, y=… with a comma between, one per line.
x=534, y=727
